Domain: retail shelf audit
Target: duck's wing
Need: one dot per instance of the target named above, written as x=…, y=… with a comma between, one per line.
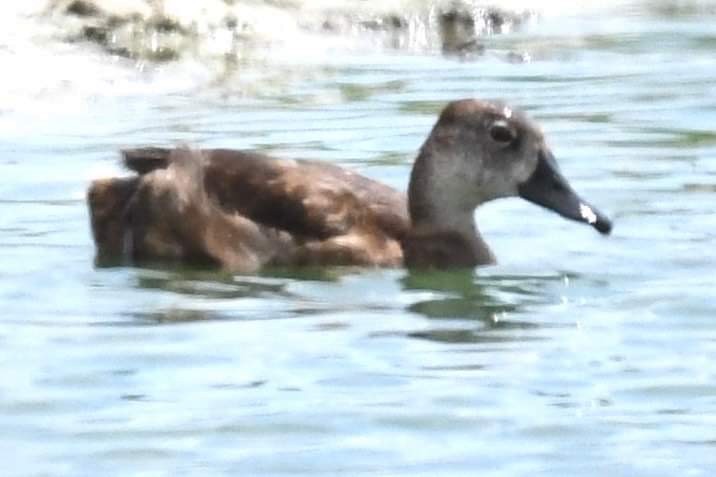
x=242, y=210
x=167, y=215
x=310, y=200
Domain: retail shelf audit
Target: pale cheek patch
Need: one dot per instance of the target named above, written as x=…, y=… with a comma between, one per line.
x=523, y=171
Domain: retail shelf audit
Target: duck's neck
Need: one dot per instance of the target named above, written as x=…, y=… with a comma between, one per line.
x=443, y=231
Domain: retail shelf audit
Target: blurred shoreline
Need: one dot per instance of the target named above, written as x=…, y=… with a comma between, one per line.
x=66, y=50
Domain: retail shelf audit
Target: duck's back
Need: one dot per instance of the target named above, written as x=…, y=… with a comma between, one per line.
x=312, y=211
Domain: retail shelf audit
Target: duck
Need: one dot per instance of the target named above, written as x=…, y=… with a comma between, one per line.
x=242, y=211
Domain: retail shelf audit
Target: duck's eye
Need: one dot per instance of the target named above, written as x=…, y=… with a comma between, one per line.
x=501, y=132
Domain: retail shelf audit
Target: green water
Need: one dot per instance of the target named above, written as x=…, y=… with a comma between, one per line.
x=576, y=355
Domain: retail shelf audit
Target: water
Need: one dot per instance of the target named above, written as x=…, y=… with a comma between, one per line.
x=577, y=355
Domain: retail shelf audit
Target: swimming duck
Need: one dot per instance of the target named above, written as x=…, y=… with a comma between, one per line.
x=243, y=210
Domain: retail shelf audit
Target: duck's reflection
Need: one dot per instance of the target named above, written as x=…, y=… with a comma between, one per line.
x=471, y=309
x=464, y=306
x=271, y=294
x=208, y=284
x=174, y=315
x=206, y=295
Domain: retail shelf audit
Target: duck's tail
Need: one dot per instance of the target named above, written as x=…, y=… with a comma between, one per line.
x=122, y=207
x=143, y=160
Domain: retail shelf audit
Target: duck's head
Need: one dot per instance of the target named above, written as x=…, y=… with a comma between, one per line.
x=484, y=150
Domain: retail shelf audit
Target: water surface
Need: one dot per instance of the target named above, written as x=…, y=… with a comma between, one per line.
x=577, y=355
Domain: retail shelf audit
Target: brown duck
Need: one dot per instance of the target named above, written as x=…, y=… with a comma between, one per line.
x=242, y=210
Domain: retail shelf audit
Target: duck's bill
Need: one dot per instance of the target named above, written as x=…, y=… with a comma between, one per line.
x=548, y=187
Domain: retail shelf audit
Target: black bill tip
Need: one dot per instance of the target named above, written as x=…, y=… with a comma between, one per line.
x=595, y=218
